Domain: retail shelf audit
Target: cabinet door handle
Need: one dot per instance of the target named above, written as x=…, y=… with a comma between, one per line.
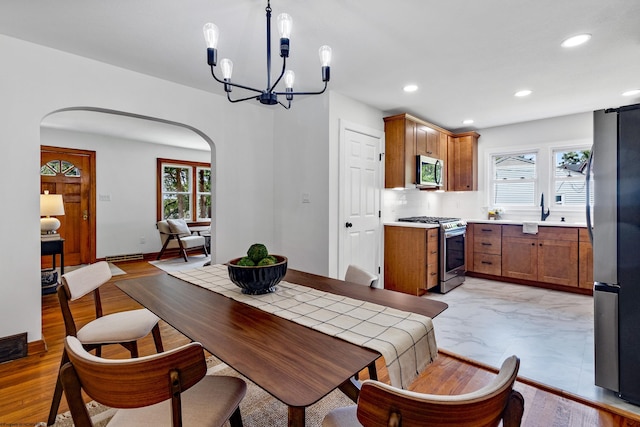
x=533, y=244
x=433, y=274
x=488, y=230
x=348, y=225
x=487, y=262
x=486, y=244
x=434, y=252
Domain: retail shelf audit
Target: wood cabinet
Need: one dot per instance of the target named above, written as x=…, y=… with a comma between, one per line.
x=551, y=256
x=585, y=260
x=487, y=249
x=407, y=137
x=462, y=162
x=410, y=259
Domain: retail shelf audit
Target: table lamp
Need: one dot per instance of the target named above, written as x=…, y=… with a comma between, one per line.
x=50, y=204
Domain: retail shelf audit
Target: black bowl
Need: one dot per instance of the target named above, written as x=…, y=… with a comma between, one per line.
x=259, y=279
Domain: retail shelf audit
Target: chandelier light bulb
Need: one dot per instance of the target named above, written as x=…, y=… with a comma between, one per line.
x=325, y=55
x=289, y=78
x=211, y=35
x=226, y=66
x=284, y=25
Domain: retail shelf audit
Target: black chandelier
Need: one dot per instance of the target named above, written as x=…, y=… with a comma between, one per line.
x=268, y=96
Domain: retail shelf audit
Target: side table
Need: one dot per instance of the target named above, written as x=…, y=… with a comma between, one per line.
x=53, y=248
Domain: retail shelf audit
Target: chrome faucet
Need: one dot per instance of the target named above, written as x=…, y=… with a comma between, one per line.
x=543, y=214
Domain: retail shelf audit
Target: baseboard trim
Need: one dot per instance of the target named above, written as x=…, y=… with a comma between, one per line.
x=36, y=347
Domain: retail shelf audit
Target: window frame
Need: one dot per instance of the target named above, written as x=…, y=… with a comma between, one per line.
x=194, y=193
x=492, y=181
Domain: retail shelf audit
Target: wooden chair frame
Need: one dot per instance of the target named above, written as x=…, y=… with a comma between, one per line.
x=64, y=297
x=181, y=247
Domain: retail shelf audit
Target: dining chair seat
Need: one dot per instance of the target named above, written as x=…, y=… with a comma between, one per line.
x=118, y=327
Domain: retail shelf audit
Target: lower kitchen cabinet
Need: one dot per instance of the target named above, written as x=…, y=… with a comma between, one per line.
x=551, y=256
x=410, y=259
x=556, y=257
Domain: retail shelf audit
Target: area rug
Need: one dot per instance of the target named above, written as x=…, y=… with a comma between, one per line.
x=176, y=264
x=258, y=408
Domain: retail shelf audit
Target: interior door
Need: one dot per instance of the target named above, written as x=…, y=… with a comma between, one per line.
x=360, y=217
x=71, y=172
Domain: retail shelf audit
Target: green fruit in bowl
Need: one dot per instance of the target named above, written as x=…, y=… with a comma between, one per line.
x=246, y=262
x=257, y=252
x=267, y=261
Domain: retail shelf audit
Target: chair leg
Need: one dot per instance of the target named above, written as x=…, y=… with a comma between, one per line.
x=57, y=393
x=373, y=372
x=236, y=418
x=157, y=339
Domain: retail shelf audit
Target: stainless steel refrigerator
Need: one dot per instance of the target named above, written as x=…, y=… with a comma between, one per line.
x=615, y=163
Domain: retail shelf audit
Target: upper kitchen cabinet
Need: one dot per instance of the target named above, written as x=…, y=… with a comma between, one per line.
x=407, y=137
x=462, y=162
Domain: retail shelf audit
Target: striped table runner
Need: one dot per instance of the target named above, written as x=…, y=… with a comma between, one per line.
x=405, y=340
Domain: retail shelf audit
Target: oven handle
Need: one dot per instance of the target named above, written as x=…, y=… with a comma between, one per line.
x=454, y=233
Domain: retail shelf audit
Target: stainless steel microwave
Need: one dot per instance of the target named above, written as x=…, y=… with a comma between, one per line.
x=429, y=171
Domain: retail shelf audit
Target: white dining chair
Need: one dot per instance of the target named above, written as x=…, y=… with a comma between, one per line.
x=357, y=275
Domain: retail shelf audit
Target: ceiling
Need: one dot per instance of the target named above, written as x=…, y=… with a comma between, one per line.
x=468, y=57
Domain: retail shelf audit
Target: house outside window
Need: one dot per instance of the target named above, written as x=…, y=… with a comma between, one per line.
x=568, y=176
x=513, y=179
x=184, y=190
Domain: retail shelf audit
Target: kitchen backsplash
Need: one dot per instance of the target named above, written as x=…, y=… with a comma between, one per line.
x=467, y=205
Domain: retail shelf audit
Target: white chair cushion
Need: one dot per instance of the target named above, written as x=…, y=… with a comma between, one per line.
x=208, y=403
x=342, y=417
x=188, y=242
x=179, y=226
x=118, y=327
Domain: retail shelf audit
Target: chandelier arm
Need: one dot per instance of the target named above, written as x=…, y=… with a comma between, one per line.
x=285, y=106
x=284, y=67
x=234, y=84
x=303, y=93
x=242, y=99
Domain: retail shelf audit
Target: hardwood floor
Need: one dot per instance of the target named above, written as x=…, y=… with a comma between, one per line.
x=27, y=384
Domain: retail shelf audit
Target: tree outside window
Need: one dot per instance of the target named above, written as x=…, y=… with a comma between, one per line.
x=184, y=190
x=569, y=176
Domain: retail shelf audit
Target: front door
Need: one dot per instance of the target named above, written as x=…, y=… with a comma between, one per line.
x=360, y=192
x=71, y=172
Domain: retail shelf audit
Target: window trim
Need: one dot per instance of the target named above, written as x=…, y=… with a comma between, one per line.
x=491, y=181
x=194, y=188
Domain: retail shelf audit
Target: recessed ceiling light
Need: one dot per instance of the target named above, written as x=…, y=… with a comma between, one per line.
x=576, y=40
x=410, y=88
x=631, y=92
x=467, y=121
x=522, y=93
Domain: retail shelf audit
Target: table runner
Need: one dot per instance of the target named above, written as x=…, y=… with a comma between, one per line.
x=405, y=340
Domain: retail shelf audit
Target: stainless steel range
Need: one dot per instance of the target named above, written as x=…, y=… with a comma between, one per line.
x=452, y=249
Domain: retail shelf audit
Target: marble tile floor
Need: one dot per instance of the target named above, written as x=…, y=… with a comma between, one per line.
x=551, y=332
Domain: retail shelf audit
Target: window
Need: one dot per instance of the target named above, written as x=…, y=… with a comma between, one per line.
x=568, y=177
x=513, y=179
x=184, y=190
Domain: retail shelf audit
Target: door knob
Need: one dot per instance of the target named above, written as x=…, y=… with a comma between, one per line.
x=85, y=215
x=348, y=225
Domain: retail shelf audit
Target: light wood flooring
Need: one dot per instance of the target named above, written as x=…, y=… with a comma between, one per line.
x=26, y=385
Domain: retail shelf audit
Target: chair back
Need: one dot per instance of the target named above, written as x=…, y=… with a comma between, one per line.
x=357, y=275
x=131, y=383
x=86, y=279
x=165, y=231
x=381, y=405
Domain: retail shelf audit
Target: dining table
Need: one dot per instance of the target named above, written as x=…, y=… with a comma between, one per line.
x=294, y=363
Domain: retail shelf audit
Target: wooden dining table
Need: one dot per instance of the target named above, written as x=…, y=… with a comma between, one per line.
x=295, y=364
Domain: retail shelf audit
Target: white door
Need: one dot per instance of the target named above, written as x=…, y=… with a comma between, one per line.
x=360, y=193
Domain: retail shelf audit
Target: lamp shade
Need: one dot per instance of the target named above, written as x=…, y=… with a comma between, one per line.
x=50, y=204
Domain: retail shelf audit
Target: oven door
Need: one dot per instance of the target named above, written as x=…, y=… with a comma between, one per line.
x=452, y=262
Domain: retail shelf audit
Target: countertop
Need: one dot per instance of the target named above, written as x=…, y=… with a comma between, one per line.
x=518, y=222
x=411, y=224
x=486, y=221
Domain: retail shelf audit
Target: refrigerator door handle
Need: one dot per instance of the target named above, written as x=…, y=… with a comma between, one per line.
x=588, y=189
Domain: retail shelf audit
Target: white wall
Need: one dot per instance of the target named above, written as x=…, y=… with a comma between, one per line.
x=542, y=135
x=130, y=183
x=35, y=81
